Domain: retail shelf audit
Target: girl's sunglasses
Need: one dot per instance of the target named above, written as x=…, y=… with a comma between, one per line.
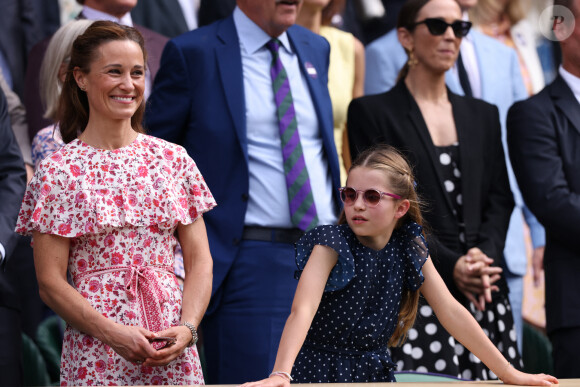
x=438, y=27
x=371, y=197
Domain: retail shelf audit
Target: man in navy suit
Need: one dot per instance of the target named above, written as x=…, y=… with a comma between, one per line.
x=544, y=139
x=12, y=186
x=213, y=95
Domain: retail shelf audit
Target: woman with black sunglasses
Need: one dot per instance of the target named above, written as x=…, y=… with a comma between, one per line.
x=454, y=144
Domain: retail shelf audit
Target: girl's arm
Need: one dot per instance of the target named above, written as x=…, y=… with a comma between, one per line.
x=198, y=266
x=304, y=307
x=459, y=323
x=51, y=254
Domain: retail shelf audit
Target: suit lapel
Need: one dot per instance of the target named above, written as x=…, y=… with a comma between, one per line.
x=311, y=71
x=566, y=102
x=229, y=62
x=416, y=118
x=317, y=80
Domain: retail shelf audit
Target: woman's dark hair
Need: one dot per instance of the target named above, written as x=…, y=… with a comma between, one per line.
x=335, y=7
x=73, y=107
x=407, y=19
x=399, y=173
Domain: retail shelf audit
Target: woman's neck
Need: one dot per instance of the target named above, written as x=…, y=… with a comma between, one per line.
x=427, y=87
x=310, y=17
x=108, y=137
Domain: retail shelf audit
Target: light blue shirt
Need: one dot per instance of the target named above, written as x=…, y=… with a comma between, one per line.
x=268, y=196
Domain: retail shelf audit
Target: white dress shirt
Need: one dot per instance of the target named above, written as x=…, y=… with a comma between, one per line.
x=572, y=81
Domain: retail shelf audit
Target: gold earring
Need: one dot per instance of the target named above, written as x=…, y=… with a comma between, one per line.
x=412, y=60
x=82, y=88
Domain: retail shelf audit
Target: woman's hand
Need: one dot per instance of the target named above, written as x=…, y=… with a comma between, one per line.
x=132, y=343
x=272, y=381
x=474, y=277
x=166, y=355
x=513, y=376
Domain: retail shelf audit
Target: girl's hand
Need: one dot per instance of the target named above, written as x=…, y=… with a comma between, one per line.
x=513, y=376
x=166, y=355
x=272, y=381
x=132, y=343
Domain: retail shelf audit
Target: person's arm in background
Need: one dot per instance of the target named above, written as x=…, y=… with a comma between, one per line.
x=538, y=237
x=518, y=87
x=17, y=115
x=12, y=182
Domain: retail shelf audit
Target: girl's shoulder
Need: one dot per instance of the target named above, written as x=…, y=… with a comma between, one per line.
x=340, y=238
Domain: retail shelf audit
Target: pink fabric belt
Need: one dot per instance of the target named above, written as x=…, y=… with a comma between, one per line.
x=142, y=284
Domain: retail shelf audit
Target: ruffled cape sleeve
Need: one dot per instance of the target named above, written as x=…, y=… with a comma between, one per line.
x=62, y=200
x=415, y=253
x=337, y=238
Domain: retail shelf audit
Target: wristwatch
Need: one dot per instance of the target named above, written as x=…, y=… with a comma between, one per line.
x=193, y=333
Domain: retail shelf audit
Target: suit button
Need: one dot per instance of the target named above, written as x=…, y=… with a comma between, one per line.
x=245, y=197
x=236, y=241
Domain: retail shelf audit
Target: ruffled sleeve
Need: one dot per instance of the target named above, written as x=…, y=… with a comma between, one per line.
x=193, y=197
x=337, y=238
x=416, y=253
x=79, y=190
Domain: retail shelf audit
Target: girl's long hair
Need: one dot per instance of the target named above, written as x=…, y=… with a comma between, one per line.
x=401, y=181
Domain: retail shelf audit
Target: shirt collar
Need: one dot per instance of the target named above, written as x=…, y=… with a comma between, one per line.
x=252, y=37
x=93, y=14
x=572, y=81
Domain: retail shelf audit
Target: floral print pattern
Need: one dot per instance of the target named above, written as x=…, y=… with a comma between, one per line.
x=120, y=208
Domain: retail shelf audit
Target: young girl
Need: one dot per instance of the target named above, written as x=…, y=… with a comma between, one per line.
x=358, y=289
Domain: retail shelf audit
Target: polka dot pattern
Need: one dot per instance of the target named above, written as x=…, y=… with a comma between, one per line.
x=451, y=174
x=348, y=337
x=442, y=354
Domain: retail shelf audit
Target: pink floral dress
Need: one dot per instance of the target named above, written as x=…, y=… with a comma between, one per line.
x=120, y=208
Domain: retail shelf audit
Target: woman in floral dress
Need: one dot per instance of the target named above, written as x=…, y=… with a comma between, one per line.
x=108, y=207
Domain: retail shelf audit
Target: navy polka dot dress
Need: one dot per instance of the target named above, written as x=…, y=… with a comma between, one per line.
x=348, y=338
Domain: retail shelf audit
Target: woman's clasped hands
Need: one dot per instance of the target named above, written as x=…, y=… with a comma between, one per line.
x=135, y=344
x=475, y=277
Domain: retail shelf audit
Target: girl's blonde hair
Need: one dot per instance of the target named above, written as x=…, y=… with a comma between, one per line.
x=401, y=182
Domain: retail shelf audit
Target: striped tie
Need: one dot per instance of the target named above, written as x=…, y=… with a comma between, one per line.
x=302, y=208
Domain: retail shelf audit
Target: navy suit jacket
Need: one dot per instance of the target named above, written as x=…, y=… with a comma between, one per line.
x=198, y=102
x=12, y=187
x=544, y=143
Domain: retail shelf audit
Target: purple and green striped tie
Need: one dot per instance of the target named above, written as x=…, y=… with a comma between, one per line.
x=302, y=207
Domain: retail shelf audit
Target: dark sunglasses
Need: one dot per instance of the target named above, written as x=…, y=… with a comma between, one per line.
x=438, y=27
x=371, y=197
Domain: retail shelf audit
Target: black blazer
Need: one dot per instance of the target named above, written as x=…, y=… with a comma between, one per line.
x=12, y=186
x=544, y=144
x=394, y=118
